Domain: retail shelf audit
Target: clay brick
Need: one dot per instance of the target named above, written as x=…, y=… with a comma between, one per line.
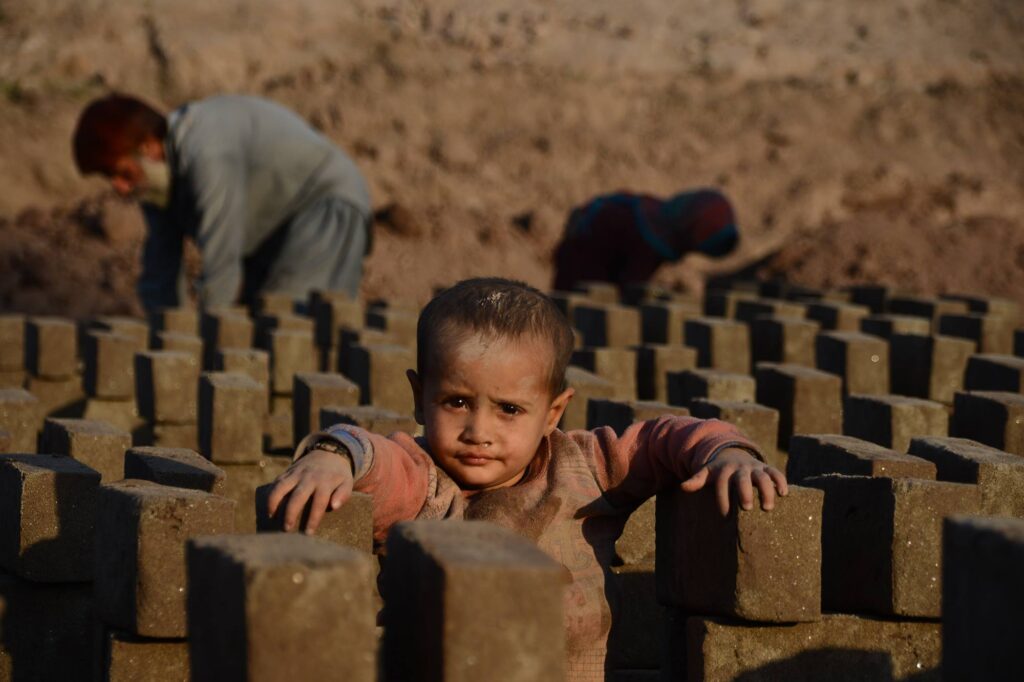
x=982, y=598
x=291, y=352
x=15, y=378
x=265, y=325
x=141, y=529
x=686, y=386
x=599, y=292
x=723, y=303
x=231, y=409
x=12, y=342
x=566, y=301
x=785, y=340
x=130, y=658
x=748, y=310
x=274, y=303
x=881, y=543
x=838, y=648
x=175, y=467
x=383, y=422
x=990, y=305
x=169, y=435
x=399, y=323
x=109, y=365
x=860, y=360
x=47, y=631
x=96, y=444
x=884, y=326
x=757, y=422
x=277, y=433
x=834, y=316
x=351, y=525
x=349, y=338
x=224, y=328
x=990, y=417
x=58, y=397
x=287, y=606
x=51, y=348
x=930, y=367
x=639, y=293
x=251, y=362
x=818, y=455
x=755, y=565
x=314, y=391
x=998, y=474
x=720, y=344
x=923, y=306
x=637, y=616
x=20, y=415
x=587, y=386
x=1018, y=343
x=379, y=370
x=663, y=322
x=892, y=420
x=129, y=327
x=439, y=578
x=990, y=372
x=177, y=341
x=808, y=400
x=166, y=386
x=177, y=320
x=47, y=515
x=653, y=363
x=619, y=414
x=873, y=296
x=991, y=333
x=330, y=313
x=241, y=482
x=617, y=365
x=610, y=325
x=636, y=545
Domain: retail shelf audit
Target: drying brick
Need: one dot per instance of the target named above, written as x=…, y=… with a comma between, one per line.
x=892, y=420
x=990, y=417
x=176, y=467
x=998, y=474
x=351, y=525
x=231, y=409
x=755, y=565
x=816, y=455
x=860, y=360
x=808, y=400
x=881, y=542
x=96, y=444
x=284, y=606
x=47, y=516
x=141, y=529
x=440, y=578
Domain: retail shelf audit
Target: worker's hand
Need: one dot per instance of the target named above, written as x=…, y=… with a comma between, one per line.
x=321, y=478
x=741, y=471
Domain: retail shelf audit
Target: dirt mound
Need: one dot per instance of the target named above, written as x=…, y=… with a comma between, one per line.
x=857, y=140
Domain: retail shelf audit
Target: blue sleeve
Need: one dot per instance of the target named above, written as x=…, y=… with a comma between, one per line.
x=161, y=283
x=219, y=187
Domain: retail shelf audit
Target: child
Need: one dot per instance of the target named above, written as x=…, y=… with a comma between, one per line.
x=489, y=391
x=624, y=238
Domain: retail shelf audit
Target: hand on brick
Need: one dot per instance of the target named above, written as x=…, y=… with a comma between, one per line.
x=319, y=478
x=739, y=471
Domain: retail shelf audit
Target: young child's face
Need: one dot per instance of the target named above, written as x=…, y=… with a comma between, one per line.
x=485, y=406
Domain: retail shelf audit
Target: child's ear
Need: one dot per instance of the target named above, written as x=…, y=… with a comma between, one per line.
x=417, y=395
x=556, y=410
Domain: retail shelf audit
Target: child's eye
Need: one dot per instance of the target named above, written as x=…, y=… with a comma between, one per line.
x=510, y=409
x=457, y=403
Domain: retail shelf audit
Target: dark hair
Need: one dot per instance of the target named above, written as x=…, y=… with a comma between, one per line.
x=111, y=127
x=500, y=307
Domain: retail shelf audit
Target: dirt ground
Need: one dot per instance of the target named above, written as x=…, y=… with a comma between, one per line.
x=861, y=140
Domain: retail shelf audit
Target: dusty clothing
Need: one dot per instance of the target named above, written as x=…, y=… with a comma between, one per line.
x=573, y=502
x=623, y=238
x=248, y=175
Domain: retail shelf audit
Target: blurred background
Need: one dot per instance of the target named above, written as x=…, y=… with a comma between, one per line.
x=860, y=140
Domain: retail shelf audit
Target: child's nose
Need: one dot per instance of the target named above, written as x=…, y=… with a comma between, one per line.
x=477, y=428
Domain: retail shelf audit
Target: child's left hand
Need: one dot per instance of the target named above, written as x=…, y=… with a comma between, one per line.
x=740, y=470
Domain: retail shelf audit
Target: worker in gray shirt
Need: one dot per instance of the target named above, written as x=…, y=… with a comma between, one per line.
x=271, y=203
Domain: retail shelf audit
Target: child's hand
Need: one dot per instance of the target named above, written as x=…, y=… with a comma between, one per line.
x=326, y=477
x=741, y=470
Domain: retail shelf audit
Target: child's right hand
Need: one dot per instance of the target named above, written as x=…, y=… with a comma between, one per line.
x=322, y=478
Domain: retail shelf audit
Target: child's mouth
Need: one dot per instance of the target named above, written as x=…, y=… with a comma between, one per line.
x=474, y=459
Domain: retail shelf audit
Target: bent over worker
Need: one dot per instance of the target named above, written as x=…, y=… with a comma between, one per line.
x=271, y=203
x=624, y=238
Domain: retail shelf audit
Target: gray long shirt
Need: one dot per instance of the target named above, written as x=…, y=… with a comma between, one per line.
x=241, y=167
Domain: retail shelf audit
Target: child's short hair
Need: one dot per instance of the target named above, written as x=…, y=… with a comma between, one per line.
x=500, y=307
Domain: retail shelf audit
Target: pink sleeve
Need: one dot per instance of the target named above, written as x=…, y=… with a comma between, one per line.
x=652, y=455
